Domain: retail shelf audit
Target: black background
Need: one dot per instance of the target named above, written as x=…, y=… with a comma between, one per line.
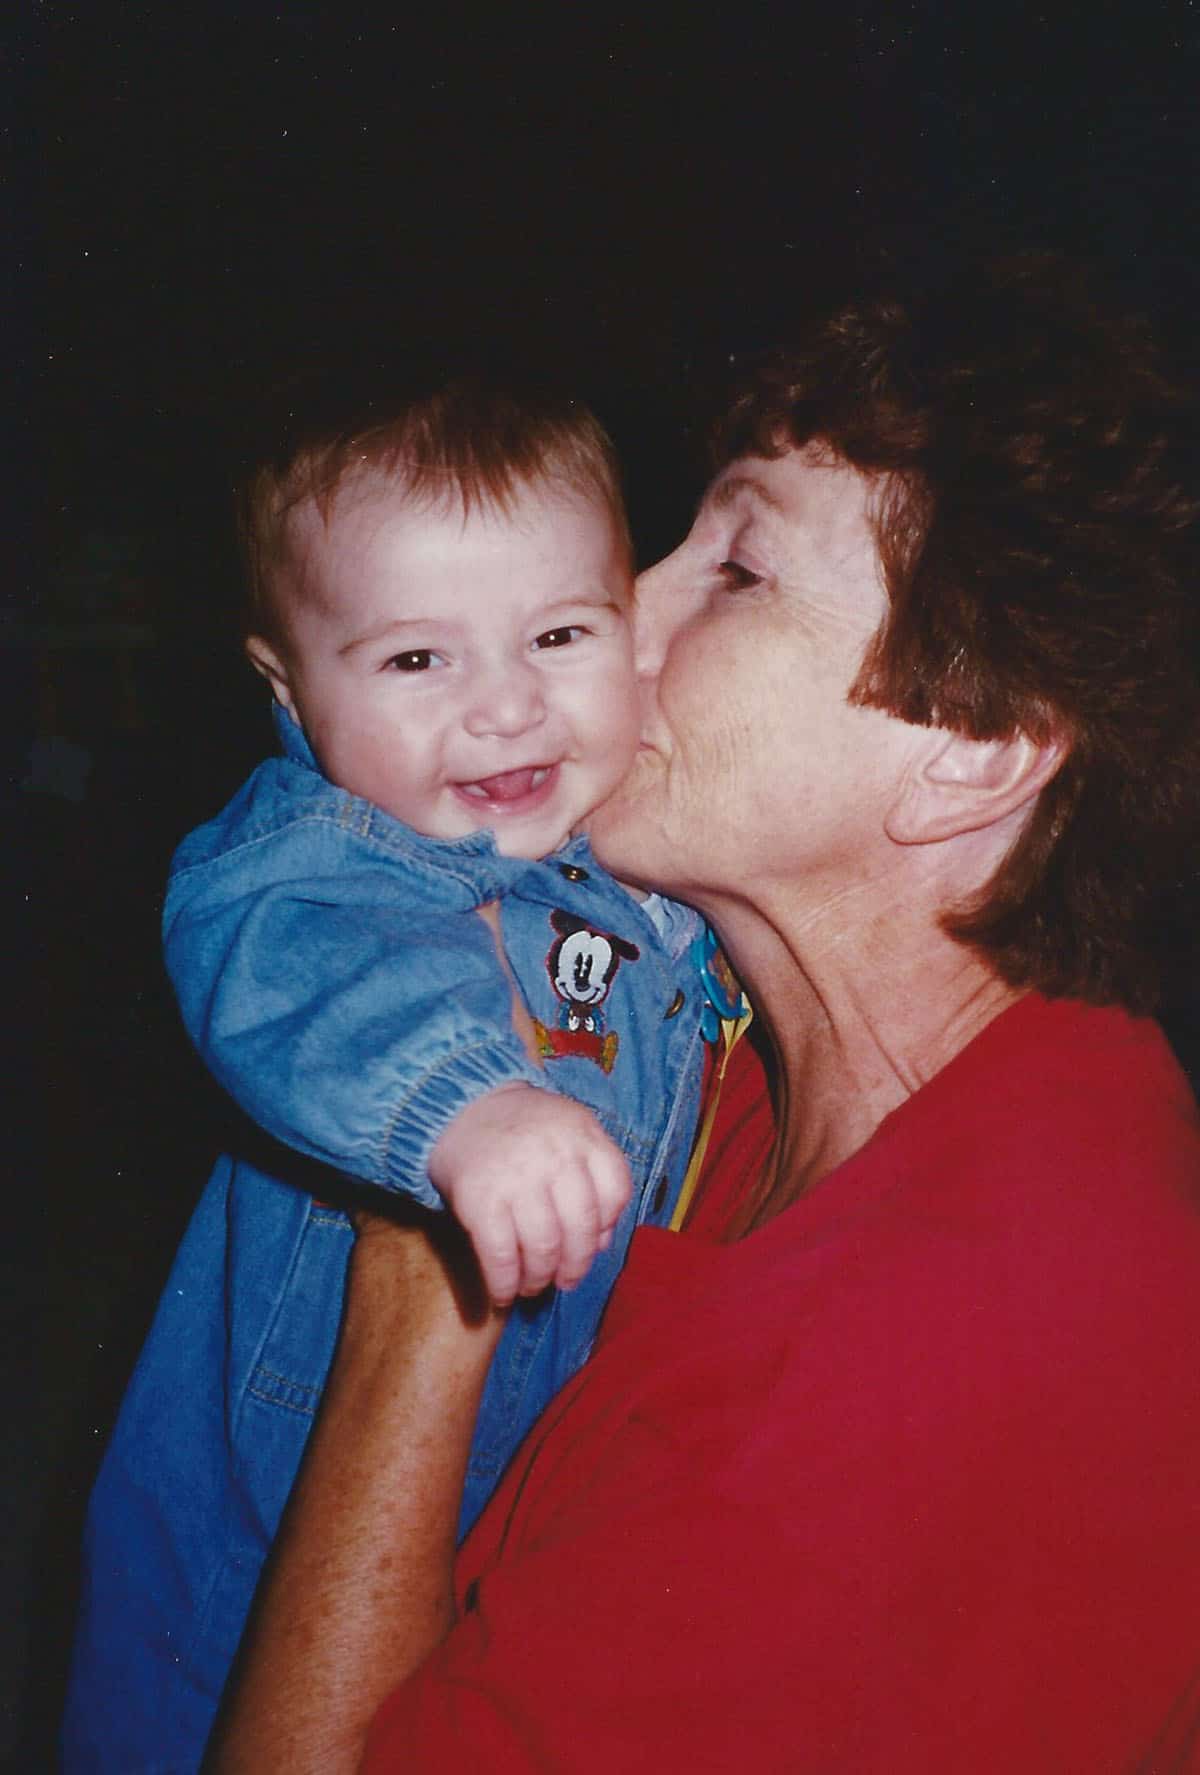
x=205, y=196
x=231, y=188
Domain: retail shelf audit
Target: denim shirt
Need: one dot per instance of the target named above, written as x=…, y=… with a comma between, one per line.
x=334, y=975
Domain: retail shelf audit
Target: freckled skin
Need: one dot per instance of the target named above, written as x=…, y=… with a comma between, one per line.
x=748, y=637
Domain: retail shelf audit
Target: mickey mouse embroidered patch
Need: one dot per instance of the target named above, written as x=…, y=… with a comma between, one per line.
x=582, y=965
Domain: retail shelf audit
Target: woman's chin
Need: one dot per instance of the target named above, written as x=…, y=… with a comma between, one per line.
x=606, y=845
x=613, y=828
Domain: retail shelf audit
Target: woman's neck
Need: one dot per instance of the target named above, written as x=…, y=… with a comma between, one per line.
x=857, y=1028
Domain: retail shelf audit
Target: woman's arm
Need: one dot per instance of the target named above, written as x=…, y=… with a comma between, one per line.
x=360, y=1585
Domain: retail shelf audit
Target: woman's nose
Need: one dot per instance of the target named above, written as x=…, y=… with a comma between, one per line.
x=506, y=701
x=656, y=614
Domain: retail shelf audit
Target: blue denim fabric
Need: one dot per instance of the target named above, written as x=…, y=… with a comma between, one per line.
x=334, y=976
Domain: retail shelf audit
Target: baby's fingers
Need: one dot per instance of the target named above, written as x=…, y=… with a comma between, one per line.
x=613, y=1185
x=499, y=1254
x=590, y=1207
x=539, y=1236
x=579, y=1218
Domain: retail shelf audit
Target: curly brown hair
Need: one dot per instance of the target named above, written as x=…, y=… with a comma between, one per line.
x=1037, y=530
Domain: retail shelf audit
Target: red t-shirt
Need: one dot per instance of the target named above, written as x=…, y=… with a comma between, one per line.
x=908, y=1481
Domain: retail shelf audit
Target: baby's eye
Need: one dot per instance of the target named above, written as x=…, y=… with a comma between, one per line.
x=736, y=577
x=416, y=659
x=559, y=637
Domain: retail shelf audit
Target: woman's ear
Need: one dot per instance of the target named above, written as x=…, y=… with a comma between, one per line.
x=958, y=784
x=267, y=660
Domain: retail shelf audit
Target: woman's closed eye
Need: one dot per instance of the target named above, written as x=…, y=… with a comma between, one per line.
x=736, y=577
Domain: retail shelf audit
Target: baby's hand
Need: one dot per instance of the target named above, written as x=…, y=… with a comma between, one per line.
x=537, y=1184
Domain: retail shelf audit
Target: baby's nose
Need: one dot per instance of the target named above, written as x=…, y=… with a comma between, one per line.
x=507, y=700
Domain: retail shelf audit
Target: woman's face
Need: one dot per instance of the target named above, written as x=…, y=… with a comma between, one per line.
x=754, y=770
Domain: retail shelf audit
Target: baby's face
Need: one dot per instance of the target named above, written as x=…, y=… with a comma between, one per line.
x=464, y=673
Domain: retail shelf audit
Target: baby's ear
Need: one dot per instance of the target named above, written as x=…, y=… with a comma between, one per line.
x=265, y=658
x=959, y=785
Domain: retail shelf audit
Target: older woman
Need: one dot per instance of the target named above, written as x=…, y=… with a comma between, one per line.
x=889, y=1462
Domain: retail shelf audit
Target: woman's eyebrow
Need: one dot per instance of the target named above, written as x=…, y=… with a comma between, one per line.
x=728, y=492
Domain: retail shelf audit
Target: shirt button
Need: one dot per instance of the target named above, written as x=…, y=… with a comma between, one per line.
x=572, y=871
x=660, y=1196
x=676, y=1005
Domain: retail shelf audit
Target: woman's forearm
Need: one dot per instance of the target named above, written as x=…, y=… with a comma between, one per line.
x=359, y=1588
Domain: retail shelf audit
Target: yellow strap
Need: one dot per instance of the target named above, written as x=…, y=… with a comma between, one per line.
x=732, y=1030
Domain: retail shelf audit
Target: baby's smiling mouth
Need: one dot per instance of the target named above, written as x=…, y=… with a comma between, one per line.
x=509, y=785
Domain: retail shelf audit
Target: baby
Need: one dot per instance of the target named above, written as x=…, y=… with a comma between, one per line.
x=462, y=660
x=395, y=957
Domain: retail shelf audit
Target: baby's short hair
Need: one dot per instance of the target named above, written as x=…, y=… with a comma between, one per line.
x=465, y=439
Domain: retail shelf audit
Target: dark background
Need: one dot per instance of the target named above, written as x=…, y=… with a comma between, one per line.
x=209, y=195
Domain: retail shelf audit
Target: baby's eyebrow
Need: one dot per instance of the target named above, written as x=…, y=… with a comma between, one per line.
x=590, y=597
x=383, y=632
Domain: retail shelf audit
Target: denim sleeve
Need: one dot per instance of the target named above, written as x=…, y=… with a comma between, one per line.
x=348, y=1024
